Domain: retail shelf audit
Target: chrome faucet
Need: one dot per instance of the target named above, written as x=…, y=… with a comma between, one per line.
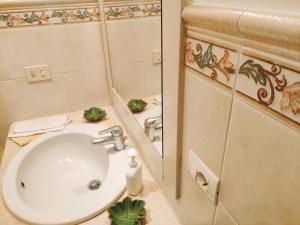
x=151, y=125
x=116, y=137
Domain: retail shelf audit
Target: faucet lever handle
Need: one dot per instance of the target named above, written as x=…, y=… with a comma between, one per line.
x=116, y=131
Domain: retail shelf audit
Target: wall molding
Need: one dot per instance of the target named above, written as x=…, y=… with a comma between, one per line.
x=15, y=4
x=56, y=15
x=122, y=10
x=273, y=32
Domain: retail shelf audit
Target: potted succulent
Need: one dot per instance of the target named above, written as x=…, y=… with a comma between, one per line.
x=137, y=105
x=94, y=114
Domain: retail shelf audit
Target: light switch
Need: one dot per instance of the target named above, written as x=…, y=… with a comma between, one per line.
x=156, y=56
x=207, y=181
x=37, y=73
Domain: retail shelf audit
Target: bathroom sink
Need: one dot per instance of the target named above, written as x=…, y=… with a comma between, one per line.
x=62, y=178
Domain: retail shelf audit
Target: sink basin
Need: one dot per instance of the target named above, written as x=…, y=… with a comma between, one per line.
x=61, y=178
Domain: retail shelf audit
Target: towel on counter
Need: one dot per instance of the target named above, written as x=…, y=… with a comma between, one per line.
x=24, y=132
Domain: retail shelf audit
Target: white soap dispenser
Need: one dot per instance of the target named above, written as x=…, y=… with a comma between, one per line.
x=134, y=178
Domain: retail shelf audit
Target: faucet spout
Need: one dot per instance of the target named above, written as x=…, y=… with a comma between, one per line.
x=116, y=137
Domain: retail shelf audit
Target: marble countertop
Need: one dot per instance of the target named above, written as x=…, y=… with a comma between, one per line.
x=159, y=212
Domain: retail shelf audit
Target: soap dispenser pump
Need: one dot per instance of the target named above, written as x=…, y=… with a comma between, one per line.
x=134, y=178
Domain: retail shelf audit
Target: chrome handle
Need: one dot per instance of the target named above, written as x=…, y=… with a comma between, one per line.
x=116, y=131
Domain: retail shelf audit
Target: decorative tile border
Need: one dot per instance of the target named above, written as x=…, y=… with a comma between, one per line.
x=271, y=84
x=217, y=62
x=47, y=17
x=113, y=12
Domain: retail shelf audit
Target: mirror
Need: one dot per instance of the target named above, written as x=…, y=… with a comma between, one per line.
x=134, y=42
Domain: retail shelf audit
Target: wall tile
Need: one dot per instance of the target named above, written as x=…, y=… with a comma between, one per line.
x=87, y=88
x=29, y=100
x=222, y=217
x=25, y=47
x=271, y=82
x=260, y=179
x=139, y=38
x=4, y=123
x=217, y=62
x=13, y=99
x=206, y=119
x=153, y=78
x=193, y=207
x=77, y=47
x=130, y=80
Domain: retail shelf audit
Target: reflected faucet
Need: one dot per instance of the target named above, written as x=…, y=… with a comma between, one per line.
x=116, y=137
x=151, y=125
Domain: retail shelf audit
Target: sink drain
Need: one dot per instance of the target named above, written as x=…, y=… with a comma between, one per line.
x=94, y=185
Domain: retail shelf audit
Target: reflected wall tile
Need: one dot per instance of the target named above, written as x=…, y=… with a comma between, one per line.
x=87, y=88
x=260, y=179
x=153, y=78
x=130, y=80
x=139, y=38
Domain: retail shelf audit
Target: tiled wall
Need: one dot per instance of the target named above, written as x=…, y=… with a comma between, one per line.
x=65, y=38
x=242, y=118
x=134, y=31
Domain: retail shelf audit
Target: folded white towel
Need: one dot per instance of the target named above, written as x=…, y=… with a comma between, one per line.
x=39, y=126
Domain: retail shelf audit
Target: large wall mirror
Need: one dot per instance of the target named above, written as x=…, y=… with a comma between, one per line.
x=134, y=42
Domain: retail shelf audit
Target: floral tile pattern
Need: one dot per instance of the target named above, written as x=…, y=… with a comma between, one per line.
x=272, y=85
x=132, y=11
x=214, y=61
x=10, y=19
x=74, y=15
x=47, y=17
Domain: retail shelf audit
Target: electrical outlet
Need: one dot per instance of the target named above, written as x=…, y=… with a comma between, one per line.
x=203, y=177
x=156, y=56
x=37, y=73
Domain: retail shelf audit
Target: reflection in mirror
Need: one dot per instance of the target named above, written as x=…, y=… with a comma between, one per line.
x=134, y=41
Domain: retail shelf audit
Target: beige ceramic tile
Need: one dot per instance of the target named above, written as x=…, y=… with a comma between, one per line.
x=193, y=207
x=206, y=118
x=153, y=78
x=25, y=47
x=13, y=99
x=130, y=80
x=214, y=61
x=260, y=179
x=4, y=123
x=87, y=88
x=261, y=74
x=222, y=217
x=28, y=100
x=132, y=40
x=77, y=47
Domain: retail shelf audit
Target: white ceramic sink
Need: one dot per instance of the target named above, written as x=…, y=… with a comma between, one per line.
x=47, y=182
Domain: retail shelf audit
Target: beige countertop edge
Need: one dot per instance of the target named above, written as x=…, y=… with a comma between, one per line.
x=276, y=29
x=159, y=212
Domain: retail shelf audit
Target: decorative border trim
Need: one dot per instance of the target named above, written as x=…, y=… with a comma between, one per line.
x=113, y=12
x=271, y=84
x=217, y=62
x=48, y=17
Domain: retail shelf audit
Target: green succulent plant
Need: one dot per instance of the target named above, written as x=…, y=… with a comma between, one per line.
x=94, y=114
x=128, y=212
x=137, y=105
